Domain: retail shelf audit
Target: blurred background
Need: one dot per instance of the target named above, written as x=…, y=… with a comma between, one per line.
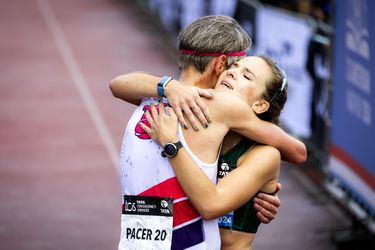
x=61, y=130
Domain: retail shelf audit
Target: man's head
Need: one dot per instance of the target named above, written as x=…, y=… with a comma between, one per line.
x=211, y=34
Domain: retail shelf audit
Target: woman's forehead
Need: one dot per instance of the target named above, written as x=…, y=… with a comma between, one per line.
x=256, y=65
x=250, y=60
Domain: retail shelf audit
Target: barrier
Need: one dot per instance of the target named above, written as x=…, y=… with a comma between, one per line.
x=351, y=168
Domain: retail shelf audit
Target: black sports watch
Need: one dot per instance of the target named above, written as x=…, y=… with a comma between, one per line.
x=171, y=149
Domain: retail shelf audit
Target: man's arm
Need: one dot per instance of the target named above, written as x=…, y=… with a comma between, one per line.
x=239, y=117
x=133, y=87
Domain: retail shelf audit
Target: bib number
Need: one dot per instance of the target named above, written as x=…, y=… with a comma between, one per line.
x=146, y=223
x=226, y=220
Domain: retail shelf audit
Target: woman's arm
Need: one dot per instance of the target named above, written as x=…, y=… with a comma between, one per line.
x=239, y=117
x=292, y=150
x=237, y=187
x=232, y=191
x=133, y=87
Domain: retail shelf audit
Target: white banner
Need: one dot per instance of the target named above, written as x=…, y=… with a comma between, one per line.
x=285, y=39
x=220, y=7
x=191, y=10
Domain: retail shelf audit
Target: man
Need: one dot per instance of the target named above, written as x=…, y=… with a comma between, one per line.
x=208, y=46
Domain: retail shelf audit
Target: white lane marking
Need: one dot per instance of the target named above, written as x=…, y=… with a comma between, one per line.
x=78, y=79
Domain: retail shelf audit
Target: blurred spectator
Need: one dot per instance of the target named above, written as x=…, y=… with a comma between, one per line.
x=192, y=10
x=168, y=12
x=315, y=8
x=318, y=68
x=220, y=7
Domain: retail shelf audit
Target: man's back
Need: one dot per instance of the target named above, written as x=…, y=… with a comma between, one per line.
x=144, y=172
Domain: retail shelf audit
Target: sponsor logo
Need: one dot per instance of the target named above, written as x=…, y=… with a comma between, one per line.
x=164, y=204
x=357, y=35
x=224, y=166
x=139, y=132
x=223, y=170
x=130, y=207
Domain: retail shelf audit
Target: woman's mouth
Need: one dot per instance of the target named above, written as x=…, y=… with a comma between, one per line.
x=226, y=84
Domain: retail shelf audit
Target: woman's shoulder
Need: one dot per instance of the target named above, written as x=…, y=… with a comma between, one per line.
x=266, y=154
x=258, y=148
x=267, y=149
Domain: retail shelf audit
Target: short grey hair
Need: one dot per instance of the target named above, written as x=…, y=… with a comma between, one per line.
x=211, y=34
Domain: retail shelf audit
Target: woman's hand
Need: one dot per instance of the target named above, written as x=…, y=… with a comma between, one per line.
x=163, y=124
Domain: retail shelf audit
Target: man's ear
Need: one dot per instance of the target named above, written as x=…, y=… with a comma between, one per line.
x=220, y=64
x=260, y=106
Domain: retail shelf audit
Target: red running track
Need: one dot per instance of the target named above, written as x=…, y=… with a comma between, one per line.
x=60, y=128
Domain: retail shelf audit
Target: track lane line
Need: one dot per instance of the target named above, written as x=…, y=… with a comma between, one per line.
x=78, y=79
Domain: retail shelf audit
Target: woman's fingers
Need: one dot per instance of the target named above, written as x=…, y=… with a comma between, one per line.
x=170, y=111
x=150, y=119
x=161, y=108
x=154, y=111
x=146, y=128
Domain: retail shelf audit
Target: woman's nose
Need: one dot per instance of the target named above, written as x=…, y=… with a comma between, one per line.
x=231, y=73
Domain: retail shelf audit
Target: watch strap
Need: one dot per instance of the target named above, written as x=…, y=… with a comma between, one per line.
x=178, y=145
x=162, y=84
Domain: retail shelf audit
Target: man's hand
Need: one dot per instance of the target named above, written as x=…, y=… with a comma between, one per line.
x=267, y=205
x=188, y=100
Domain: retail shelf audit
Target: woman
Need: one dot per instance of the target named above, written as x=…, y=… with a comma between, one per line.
x=248, y=167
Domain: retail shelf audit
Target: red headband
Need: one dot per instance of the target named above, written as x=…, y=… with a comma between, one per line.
x=191, y=52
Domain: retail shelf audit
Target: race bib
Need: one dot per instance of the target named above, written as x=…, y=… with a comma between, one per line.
x=226, y=220
x=146, y=223
x=223, y=170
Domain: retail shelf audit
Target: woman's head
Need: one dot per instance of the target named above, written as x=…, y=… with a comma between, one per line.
x=258, y=81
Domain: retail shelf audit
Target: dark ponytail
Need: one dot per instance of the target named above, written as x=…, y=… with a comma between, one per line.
x=275, y=93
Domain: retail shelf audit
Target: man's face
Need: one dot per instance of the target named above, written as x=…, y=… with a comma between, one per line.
x=245, y=78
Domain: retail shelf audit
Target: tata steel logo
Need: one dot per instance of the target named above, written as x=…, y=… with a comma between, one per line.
x=164, y=204
x=224, y=166
x=164, y=209
x=224, y=170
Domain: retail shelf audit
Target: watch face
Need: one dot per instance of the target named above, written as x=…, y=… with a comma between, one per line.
x=170, y=150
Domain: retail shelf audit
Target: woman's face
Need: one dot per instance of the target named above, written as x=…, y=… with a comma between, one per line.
x=246, y=78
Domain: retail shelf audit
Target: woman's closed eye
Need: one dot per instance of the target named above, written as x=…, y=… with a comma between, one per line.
x=247, y=77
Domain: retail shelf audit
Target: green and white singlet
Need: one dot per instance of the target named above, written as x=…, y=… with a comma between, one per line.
x=243, y=219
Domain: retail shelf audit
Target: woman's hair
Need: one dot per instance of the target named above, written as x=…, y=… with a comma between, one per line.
x=275, y=93
x=212, y=34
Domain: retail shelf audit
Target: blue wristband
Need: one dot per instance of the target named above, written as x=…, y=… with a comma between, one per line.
x=161, y=85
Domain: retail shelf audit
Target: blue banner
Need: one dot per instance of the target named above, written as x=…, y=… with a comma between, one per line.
x=352, y=161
